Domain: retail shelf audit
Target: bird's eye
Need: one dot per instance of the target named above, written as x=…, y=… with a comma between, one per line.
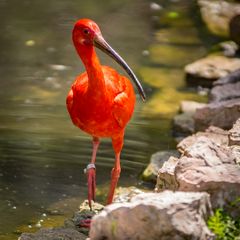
x=86, y=31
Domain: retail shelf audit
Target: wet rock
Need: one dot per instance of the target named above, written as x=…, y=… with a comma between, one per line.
x=84, y=213
x=54, y=234
x=234, y=134
x=207, y=70
x=217, y=15
x=166, y=215
x=183, y=124
x=156, y=162
x=235, y=29
x=215, y=134
x=225, y=92
x=220, y=114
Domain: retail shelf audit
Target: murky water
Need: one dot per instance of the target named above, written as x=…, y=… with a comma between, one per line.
x=42, y=155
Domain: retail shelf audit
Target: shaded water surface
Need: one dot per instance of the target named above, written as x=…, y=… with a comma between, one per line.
x=42, y=155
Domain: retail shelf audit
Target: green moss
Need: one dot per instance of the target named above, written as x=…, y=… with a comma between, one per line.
x=162, y=77
x=167, y=100
x=175, y=36
x=173, y=55
x=224, y=226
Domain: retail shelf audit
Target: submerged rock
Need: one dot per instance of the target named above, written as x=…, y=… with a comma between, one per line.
x=217, y=15
x=54, y=234
x=207, y=70
x=166, y=215
x=183, y=124
x=220, y=114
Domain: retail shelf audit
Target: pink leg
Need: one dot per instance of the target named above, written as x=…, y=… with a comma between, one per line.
x=91, y=177
x=91, y=173
x=117, y=145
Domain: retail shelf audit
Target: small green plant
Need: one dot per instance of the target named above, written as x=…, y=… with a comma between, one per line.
x=224, y=226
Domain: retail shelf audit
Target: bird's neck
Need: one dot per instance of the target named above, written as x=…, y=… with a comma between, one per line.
x=96, y=82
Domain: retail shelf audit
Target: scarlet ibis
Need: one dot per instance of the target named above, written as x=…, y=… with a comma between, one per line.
x=101, y=101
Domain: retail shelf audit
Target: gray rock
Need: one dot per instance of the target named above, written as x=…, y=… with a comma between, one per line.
x=225, y=92
x=222, y=181
x=54, y=234
x=206, y=166
x=166, y=176
x=166, y=215
x=206, y=70
x=232, y=77
x=212, y=153
x=190, y=106
x=156, y=162
x=221, y=114
x=236, y=152
x=217, y=15
x=183, y=124
x=215, y=134
x=234, y=134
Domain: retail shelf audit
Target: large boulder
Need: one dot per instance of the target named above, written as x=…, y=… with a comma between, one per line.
x=220, y=114
x=207, y=70
x=166, y=215
x=218, y=14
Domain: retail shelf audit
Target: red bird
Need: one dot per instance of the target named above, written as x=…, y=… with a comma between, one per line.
x=101, y=101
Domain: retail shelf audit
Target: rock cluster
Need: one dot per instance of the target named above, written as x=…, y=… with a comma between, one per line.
x=166, y=215
x=208, y=163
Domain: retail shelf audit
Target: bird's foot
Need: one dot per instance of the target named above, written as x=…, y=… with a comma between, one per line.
x=85, y=223
x=90, y=170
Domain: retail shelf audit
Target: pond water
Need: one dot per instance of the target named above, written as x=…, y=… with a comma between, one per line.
x=42, y=155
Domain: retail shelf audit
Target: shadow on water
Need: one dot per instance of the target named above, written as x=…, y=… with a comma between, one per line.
x=42, y=155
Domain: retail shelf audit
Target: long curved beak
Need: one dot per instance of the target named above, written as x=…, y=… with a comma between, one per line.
x=100, y=43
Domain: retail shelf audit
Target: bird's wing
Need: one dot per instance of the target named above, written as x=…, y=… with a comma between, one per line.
x=124, y=102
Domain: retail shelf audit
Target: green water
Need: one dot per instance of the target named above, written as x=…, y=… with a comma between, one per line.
x=42, y=155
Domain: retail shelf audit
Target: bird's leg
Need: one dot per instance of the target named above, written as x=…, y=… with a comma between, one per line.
x=90, y=170
x=117, y=145
x=91, y=173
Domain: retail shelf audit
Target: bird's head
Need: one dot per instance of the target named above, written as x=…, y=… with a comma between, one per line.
x=87, y=34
